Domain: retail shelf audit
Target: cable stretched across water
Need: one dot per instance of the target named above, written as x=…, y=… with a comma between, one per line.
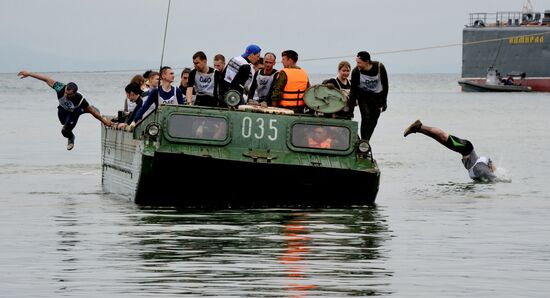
x=430, y=47
x=329, y=57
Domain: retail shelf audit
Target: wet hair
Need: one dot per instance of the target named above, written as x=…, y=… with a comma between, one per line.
x=343, y=64
x=185, y=70
x=364, y=56
x=138, y=79
x=72, y=87
x=290, y=54
x=134, y=88
x=200, y=54
x=147, y=73
x=219, y=57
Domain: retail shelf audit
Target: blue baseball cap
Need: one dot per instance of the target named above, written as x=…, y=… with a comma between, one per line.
x=252, y=49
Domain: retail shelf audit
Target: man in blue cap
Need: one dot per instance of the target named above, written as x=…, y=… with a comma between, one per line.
x=239, y=72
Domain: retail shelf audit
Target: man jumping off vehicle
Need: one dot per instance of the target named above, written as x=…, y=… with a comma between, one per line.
x=71, y=105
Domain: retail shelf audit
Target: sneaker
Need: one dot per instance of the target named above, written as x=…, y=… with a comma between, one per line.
x=413, y=128
x=70, y=143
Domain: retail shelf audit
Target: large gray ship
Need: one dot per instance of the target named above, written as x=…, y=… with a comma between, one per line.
x=517, y=44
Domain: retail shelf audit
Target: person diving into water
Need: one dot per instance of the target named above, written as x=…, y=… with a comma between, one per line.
x=480, y=168
x=72, y=104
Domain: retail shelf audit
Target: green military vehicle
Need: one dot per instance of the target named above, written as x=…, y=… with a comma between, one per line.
x=250, y=156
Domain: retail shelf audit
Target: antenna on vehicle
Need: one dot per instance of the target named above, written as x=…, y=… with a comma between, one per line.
x=165, y=30
x=162, y=55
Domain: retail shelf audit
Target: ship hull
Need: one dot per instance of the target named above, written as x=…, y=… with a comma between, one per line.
x=508, y=49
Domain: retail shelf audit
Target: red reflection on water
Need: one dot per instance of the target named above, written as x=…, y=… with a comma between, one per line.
x=297, y=240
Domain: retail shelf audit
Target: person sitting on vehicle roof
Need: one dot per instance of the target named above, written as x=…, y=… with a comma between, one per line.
x=342, y=83
x=290, y=84
x=204, y=80
x=263, y=81
x=166, y=94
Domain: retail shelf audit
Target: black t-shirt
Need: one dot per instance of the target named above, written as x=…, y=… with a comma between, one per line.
x=78, y=101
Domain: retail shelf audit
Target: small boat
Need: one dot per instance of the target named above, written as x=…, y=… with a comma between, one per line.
x=245, y=156
x=469, y=86
x=494, y=83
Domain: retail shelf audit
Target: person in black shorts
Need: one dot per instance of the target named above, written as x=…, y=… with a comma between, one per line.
x=480, y=168
x=71, y=105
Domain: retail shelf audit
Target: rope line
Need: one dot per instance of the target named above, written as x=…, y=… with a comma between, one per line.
x=326, y=58
x=431, y=47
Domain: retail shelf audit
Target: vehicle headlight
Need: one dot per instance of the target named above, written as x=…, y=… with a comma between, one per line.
x=363, y=146
x=153, y=129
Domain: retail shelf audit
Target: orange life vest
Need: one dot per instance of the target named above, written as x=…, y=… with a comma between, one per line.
x=296, y=85
x=327, y=143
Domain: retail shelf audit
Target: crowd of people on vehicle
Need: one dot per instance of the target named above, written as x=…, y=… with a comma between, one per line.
x=258, y=82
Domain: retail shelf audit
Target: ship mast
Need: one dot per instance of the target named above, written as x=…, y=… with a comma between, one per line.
x=527, y=7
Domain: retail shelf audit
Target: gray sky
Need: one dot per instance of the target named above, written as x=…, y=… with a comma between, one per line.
x=88, y=35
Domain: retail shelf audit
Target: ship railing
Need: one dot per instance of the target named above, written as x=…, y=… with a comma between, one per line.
x=504, y=19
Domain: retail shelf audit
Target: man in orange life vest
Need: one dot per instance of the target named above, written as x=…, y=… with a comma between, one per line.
x=290, y=84
x=319, y=138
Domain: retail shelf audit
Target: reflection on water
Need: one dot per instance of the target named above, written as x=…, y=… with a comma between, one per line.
x=297, y=248
x=256, y=252
x=68, y=241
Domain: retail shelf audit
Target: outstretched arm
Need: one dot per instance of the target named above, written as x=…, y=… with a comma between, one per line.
x=23, y=74
x=90, y=109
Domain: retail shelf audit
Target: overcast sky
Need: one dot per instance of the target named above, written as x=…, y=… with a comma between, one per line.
x=103, y=35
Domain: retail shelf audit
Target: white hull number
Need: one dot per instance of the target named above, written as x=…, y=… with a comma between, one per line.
x=260, y=129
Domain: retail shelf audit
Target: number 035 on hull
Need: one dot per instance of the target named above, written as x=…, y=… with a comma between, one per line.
x=247, y=157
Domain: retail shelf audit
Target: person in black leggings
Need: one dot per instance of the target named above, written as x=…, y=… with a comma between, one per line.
x=480, y=168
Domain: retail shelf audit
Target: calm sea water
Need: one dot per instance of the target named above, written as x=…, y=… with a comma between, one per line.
x=433, y=233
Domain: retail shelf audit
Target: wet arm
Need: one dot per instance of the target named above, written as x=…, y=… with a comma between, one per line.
x=23, y=74
x=90, y=109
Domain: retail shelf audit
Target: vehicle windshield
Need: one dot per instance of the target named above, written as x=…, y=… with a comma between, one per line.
x=197, y=127
x=320, y=137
